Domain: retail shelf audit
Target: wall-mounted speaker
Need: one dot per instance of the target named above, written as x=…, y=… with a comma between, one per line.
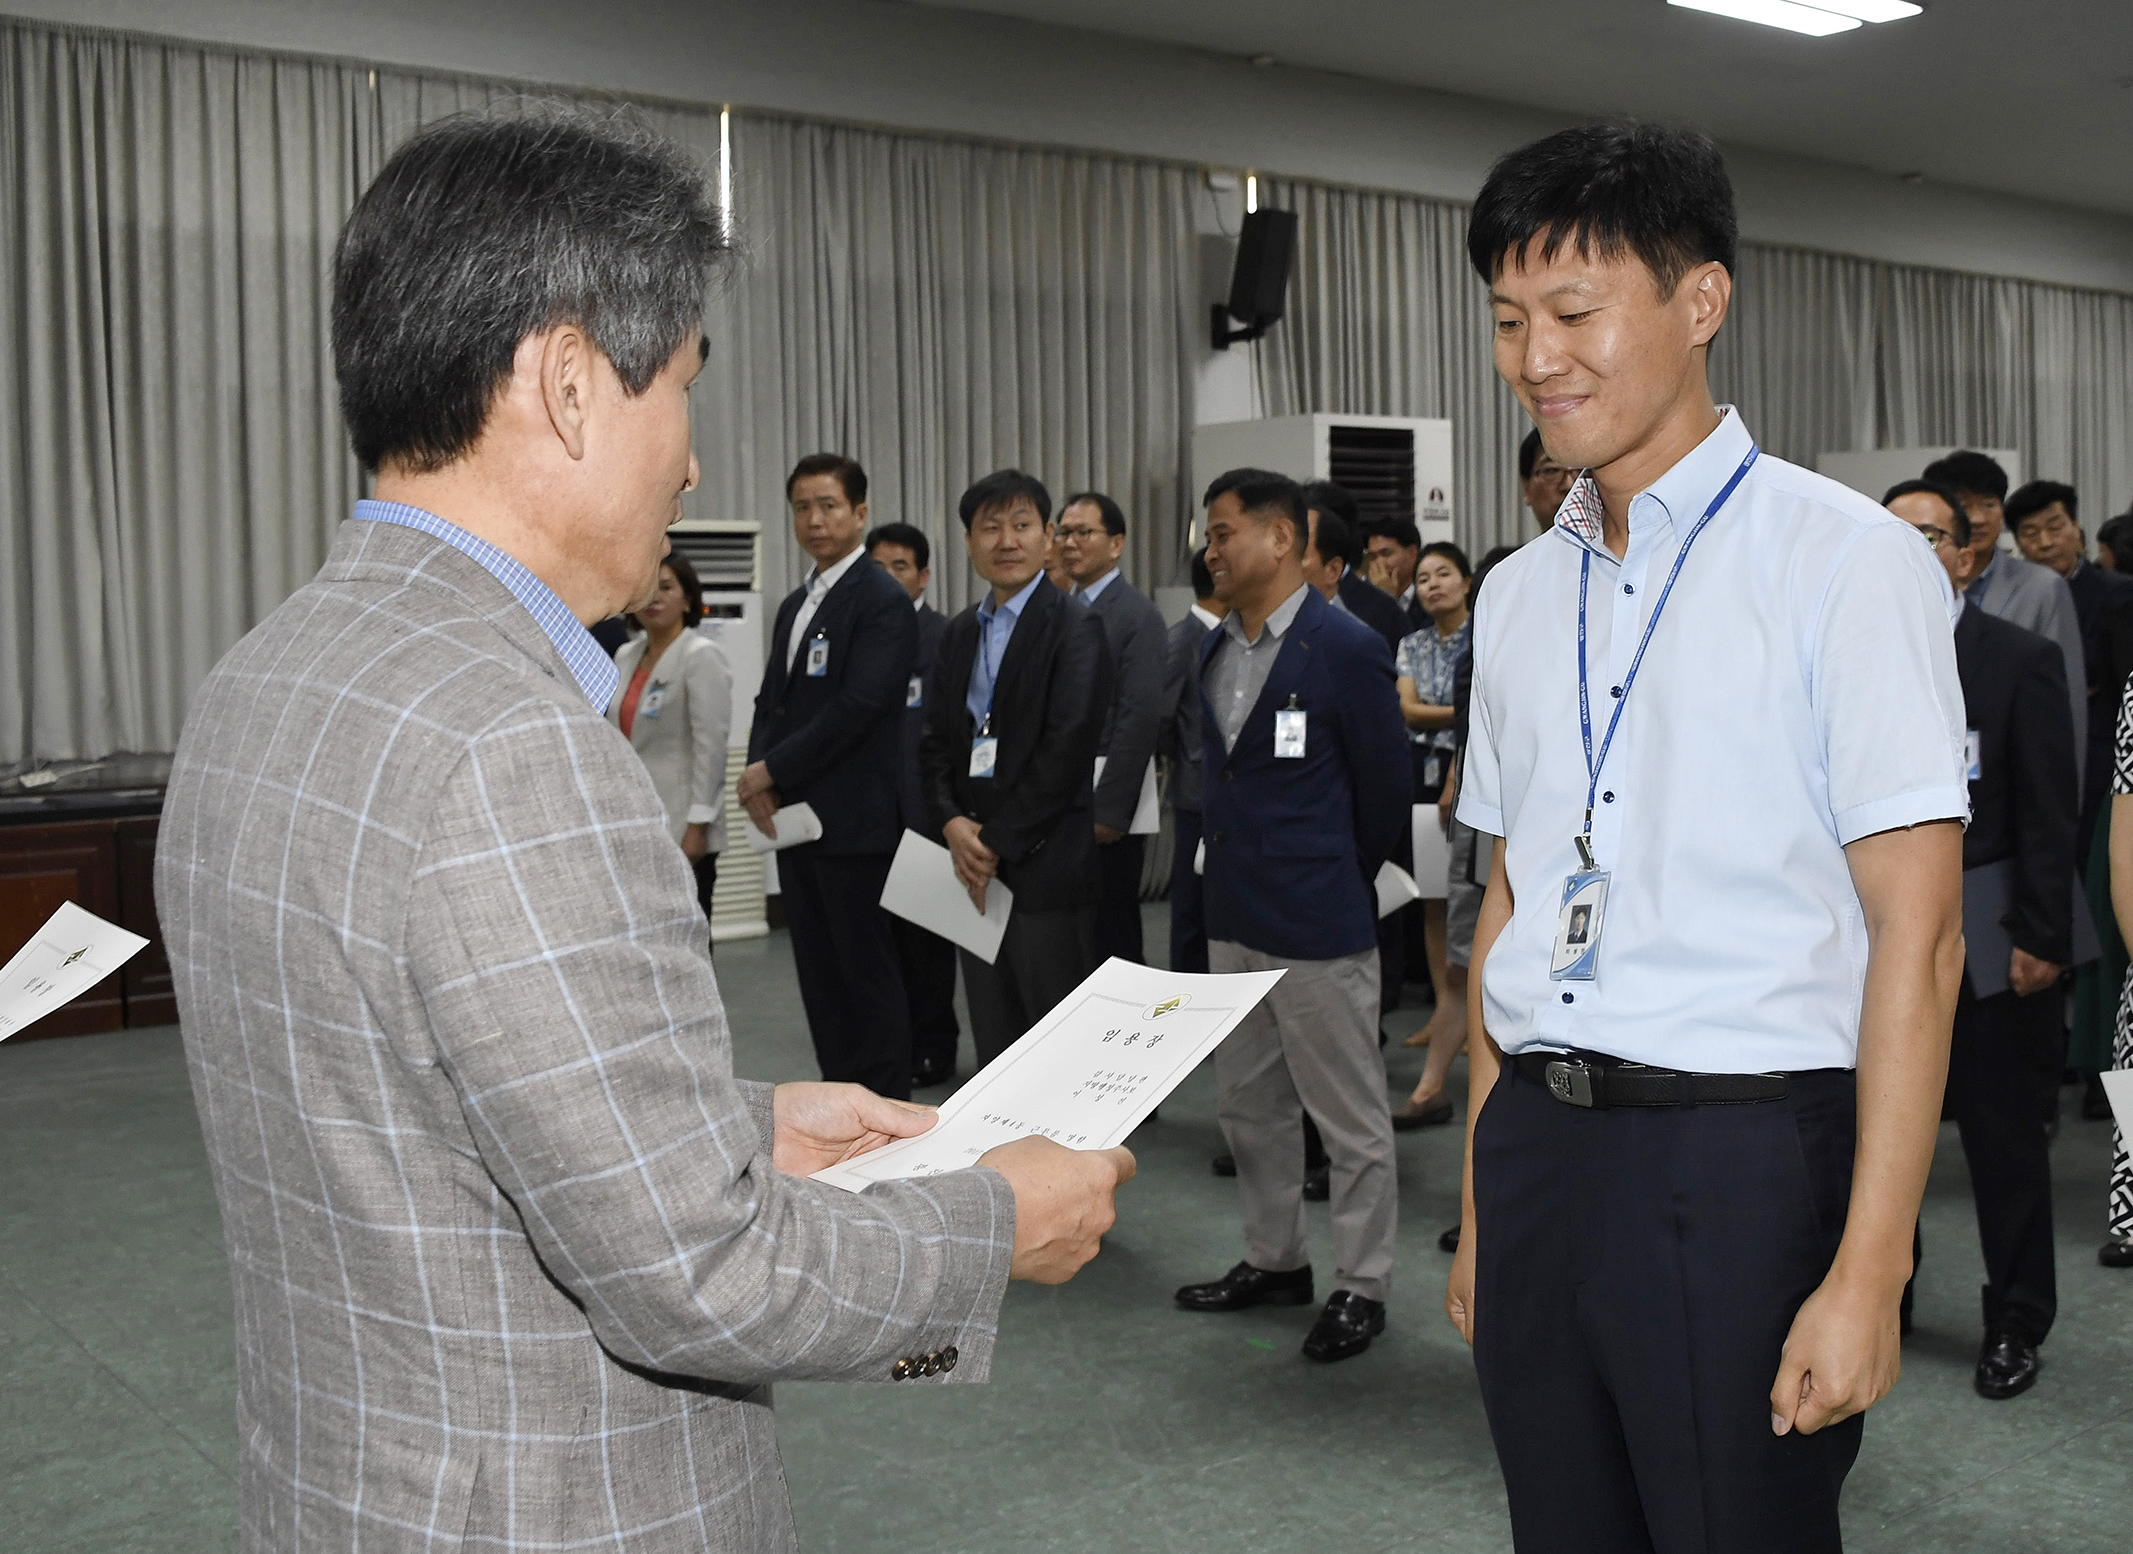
x=1266, y=251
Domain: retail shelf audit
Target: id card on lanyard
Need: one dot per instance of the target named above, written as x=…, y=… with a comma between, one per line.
x=1582, y=913
x=985, y=744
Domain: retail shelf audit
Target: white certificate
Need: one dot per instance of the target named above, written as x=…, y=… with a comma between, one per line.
x=1147, y=813
x=70, y=954
x=922, y=889
x=795, y=823
x=1085, y=1075
x=1433, y=854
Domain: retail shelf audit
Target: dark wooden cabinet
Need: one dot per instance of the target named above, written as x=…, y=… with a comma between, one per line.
x=105, y=866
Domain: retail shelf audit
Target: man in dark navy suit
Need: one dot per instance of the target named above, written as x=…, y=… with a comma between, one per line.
x=1020, y=693
x=2018, y=898
x=903, y=551
x=1307, y=792
x=1343, y=543
x=1182, y=749
x=828, y=733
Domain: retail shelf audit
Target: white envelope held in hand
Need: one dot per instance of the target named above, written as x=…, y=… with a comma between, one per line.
x=1433, y=854
x=922, y=889
x=796, y=823
x=70, y=954
x=1396, y=888
x=1147, y=813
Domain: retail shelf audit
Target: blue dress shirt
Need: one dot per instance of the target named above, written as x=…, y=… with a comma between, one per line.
x=588, y=662
x=996, y=625
x=1799, y=693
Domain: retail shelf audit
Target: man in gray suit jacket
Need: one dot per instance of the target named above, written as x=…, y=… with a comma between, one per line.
x=2021, y=592
x=1092, y=538
x=515, y=1255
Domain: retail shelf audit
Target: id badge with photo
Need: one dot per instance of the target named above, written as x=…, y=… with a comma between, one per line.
x=1432, y=771
x=1973, y=754
x=984, y=755
x=653, y=699
x=915, y=692
x=1577, y=928
x=818, y=658
x=1289, y=734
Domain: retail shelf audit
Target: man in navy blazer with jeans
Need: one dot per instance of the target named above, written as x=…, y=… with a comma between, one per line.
x=828, y=732
x=1307, y=792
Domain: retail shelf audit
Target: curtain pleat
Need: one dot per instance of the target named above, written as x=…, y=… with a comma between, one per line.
x=1822, y=353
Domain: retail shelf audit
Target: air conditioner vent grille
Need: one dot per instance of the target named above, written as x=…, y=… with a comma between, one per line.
x=1377, y=464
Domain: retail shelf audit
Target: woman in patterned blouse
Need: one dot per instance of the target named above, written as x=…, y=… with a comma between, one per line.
x=2117, y=1251
x=1427, y=661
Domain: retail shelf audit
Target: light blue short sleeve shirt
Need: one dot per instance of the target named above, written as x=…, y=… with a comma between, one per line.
x=1799, y=693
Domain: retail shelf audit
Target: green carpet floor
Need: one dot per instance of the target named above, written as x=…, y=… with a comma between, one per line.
x=1114, y=1421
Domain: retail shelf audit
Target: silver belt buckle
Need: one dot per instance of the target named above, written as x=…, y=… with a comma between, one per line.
x=1570, y=1081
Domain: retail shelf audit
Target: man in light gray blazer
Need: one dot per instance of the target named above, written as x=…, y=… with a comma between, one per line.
x=515, y=1256
x=1092, y=539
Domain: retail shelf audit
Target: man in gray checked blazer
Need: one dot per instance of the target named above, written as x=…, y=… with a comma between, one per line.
x=515, y=1256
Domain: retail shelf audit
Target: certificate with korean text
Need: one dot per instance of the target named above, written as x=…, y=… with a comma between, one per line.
x=70, y=954
x=1085, y=1075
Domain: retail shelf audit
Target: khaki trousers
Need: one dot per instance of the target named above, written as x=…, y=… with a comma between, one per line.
x=1311, y=1045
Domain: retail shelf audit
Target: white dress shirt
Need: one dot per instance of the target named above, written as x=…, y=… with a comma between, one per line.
x=819, y=583
x=1799, y=693
x=1206, y=617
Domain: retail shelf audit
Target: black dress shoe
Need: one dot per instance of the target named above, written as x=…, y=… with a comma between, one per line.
x=1449, y=1241
x=1245, y=1286
x=2115, y=1253
x=1224, y=1165
x=1412, y=1116
x=1345, y=1327
x=928, y=1072
x=1318, y=1184
x=2007, y=1367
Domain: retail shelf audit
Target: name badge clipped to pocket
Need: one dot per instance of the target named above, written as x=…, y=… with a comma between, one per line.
x=915, y=692
x=1577, y=930
x=818, y=658
x=1289, y=732
x=984, y=751
x=1973, y=752
x=653, y=699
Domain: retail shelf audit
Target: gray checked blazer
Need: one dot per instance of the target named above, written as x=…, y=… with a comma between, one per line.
x=512, y=1268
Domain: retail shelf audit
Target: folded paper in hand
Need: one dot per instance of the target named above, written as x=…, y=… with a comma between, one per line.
x=1147, y=813
x=1085, y=1075
x=796, y=823
x=1396, y=888
x=70, y=954
x=1433, y=854
x=922, y=889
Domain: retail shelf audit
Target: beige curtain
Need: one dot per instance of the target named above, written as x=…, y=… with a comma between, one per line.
x=939, y=309
x=1822, y=353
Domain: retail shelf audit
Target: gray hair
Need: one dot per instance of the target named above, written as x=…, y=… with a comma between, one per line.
x=484, y=229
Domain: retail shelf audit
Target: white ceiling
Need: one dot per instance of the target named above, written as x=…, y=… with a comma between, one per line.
x=2029, y=97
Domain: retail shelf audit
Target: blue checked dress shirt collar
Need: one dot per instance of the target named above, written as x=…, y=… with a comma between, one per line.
x=996, y=624
x=587, y=661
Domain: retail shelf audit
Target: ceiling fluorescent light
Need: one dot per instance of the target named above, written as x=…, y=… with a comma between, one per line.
x=1870, y=10
x=1809, y=19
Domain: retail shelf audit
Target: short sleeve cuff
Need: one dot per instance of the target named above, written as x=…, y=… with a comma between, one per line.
x=1477, y=816
x=1894, y=814
x=702, y=814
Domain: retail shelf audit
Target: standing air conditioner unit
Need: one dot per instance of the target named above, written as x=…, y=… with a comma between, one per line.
x=727, y=555
x=1398, y=467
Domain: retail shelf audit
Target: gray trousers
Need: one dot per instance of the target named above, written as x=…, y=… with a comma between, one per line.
x=1311, y=1045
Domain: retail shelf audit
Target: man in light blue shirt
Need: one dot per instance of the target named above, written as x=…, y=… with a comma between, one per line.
x=1717, y=730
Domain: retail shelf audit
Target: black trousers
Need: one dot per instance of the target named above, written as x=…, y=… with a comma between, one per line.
x=1118, y=907
x=851, y=982
x=1637, y=1270
x=1188, y=922
x=706, y=869
x=929, y=992
x=1043, y=957
x=2003, y=1074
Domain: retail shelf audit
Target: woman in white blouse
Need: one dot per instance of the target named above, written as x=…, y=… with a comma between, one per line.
x=675, y=707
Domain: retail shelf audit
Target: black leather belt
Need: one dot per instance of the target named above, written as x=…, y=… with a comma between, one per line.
x=1601, y=1083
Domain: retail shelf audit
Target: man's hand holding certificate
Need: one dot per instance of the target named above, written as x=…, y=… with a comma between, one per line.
x=1084, y=1076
